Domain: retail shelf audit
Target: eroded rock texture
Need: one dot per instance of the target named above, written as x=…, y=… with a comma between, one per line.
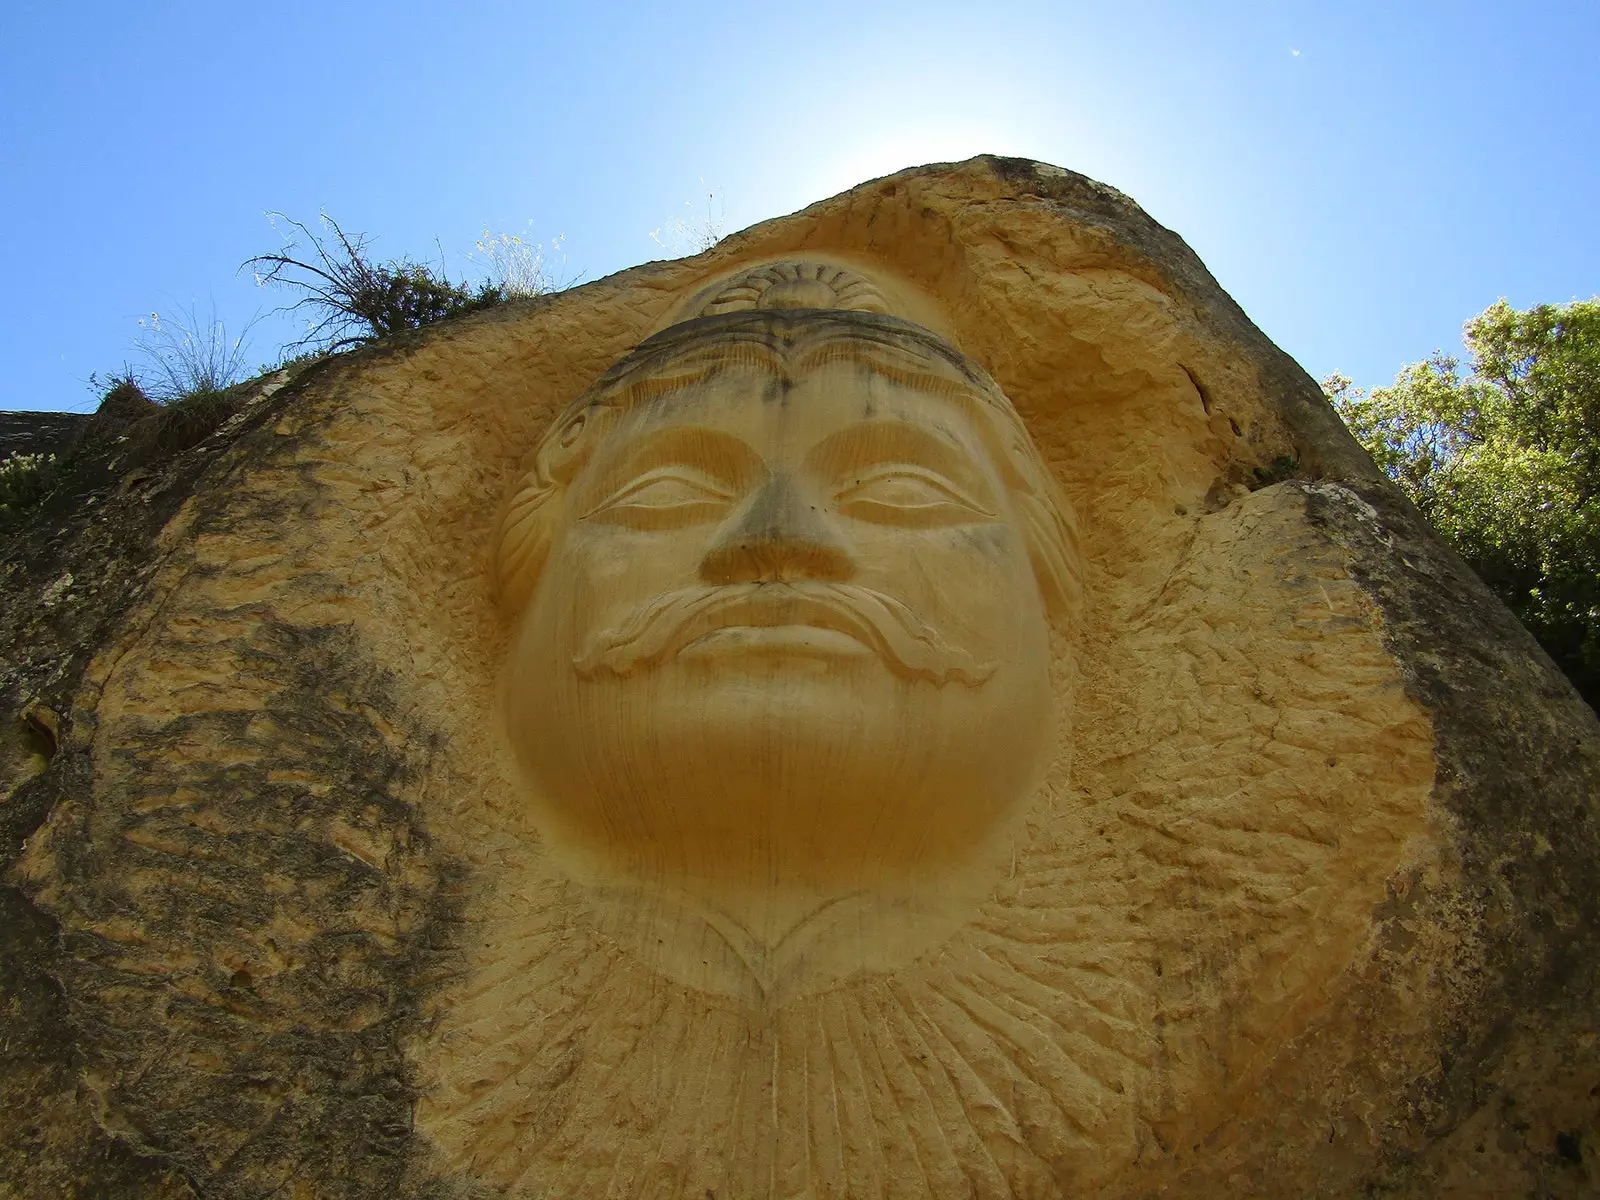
x=1299, y=901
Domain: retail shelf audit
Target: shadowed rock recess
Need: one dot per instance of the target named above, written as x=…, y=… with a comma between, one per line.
x=921, y=699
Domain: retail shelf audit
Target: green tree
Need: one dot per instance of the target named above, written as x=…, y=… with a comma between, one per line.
x=1504, y=460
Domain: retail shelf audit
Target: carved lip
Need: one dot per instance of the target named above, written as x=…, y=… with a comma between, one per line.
x=786, y=623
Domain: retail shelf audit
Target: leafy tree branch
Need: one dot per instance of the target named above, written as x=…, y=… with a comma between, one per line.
x=1503, y=459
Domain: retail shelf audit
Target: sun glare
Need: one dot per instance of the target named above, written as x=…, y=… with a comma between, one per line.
x=872, y=155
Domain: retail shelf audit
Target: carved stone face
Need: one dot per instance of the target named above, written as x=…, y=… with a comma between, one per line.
x=788, y=633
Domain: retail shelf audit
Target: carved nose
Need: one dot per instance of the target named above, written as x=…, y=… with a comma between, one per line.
x=778, y=536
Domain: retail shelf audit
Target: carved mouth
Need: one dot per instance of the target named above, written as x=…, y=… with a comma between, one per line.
x=778, y=619
x=803, y=618
x=776, y=641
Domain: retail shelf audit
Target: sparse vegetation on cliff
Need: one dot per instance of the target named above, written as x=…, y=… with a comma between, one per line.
x=191, y=365
x=24, y=480
x=353, y=300
x=189, y=357
x=129, y=430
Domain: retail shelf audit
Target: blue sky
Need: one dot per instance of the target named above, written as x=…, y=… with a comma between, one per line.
x=1362, y=177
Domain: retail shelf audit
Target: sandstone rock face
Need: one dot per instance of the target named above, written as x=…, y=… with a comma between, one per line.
x=919, y=700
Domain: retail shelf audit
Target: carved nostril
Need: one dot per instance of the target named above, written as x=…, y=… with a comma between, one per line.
x=778, y=537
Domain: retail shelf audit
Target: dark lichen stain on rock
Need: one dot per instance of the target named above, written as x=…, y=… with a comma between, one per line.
x=273, y=973
x=262, y=993
x=104, y=545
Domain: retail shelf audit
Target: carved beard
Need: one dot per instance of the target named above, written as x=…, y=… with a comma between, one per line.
x=1013, y=1057
x=1074, y=1015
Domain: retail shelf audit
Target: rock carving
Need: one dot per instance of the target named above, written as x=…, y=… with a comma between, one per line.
x=865, y=711
x=785, y=575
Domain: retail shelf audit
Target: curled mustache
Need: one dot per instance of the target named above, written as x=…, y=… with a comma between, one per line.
x=667, y=624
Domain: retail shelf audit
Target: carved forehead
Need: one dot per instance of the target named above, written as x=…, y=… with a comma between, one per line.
x=791, y=344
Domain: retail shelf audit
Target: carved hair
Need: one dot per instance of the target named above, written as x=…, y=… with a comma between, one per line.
x=787, y=341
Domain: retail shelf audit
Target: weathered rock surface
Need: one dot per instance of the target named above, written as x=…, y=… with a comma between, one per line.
x=1305, y=904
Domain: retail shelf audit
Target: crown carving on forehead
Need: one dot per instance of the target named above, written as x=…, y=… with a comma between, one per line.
x=822, y=311
x=799, y=284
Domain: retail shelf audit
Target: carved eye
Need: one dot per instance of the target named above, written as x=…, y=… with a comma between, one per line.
x=573, y=431
x=665, y=498
x=902, y=494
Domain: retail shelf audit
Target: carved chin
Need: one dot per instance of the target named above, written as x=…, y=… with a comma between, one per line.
x=753, y=751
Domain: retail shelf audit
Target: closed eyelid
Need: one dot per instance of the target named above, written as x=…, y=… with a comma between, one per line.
x=689, y=477
x=724, y=461
x=909, y=496
x=889, y=473
x=850, y=454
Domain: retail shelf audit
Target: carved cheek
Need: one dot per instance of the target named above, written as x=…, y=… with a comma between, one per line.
x=1001, y=603
x=608, y=571
x=970, y=582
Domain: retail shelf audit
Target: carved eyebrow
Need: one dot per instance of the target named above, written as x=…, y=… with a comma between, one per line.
x=910, y=366
x=720, y=455
x=871, y=443
x=640, y=382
